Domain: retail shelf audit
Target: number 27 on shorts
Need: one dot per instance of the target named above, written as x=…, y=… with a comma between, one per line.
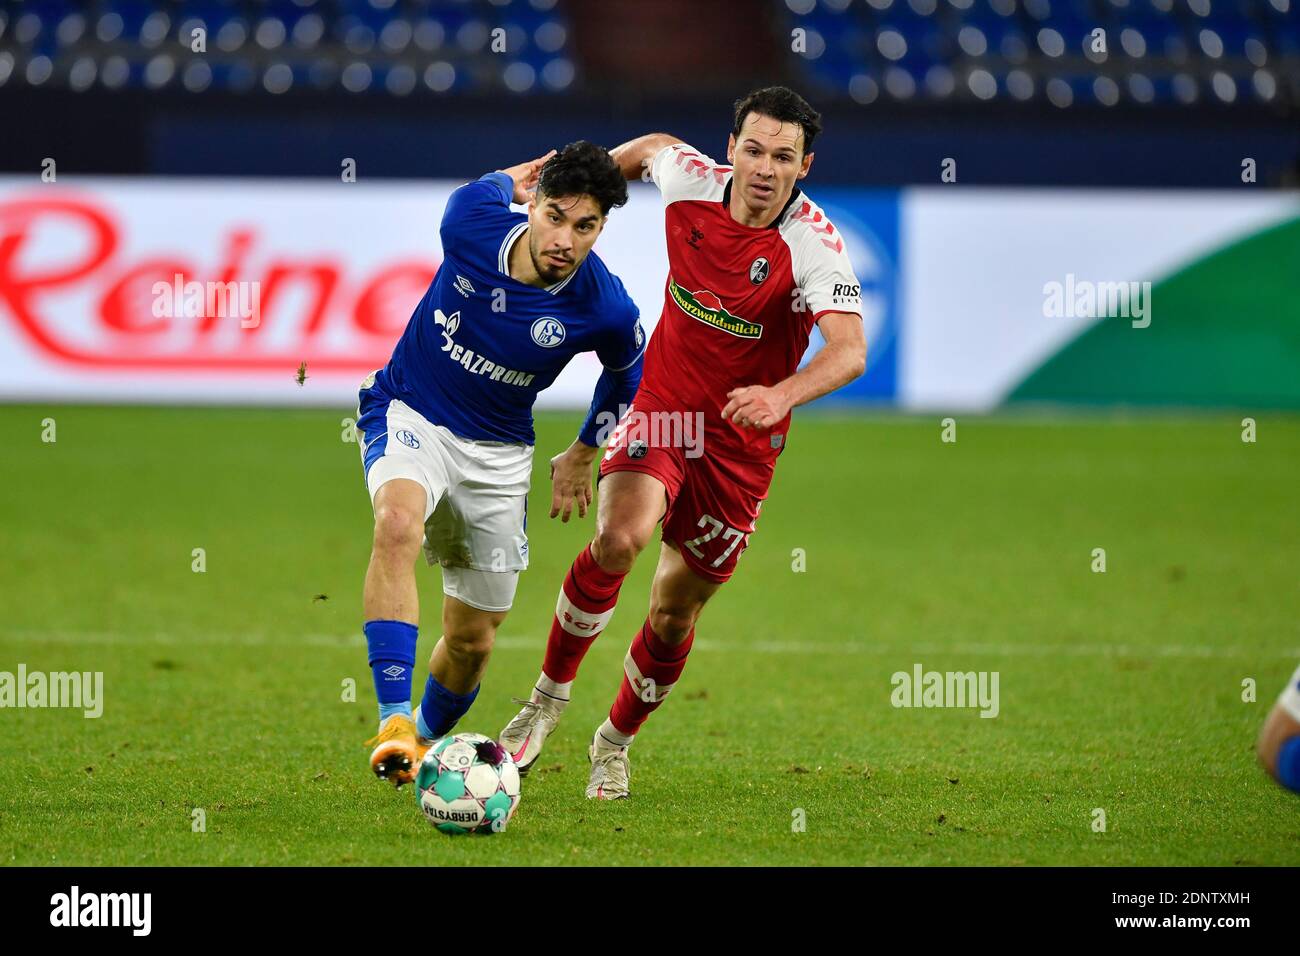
x=716, y=527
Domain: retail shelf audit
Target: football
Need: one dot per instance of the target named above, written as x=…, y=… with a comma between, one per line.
x=467, y=783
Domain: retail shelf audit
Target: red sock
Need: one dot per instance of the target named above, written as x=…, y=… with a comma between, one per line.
x=650, y=670
x=585, y=605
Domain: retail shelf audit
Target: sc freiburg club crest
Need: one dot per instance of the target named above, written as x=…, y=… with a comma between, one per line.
x=758, y=271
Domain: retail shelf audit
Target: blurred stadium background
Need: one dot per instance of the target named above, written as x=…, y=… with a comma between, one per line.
x=236, y=121
x=129, y=157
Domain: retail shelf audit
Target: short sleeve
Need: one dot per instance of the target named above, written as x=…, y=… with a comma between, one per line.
x=683, y=172
x=823, y=272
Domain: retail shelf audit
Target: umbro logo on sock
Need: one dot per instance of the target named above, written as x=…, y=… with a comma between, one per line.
x=394, y=672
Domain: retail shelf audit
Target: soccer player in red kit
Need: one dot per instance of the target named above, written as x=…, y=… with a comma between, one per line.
x=753, y=265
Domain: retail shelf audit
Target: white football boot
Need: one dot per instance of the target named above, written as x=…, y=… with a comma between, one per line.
x=610, y=770
x=524, y=735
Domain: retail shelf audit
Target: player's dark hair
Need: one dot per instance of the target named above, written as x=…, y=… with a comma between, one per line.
x=584, y=169
x=780, y=103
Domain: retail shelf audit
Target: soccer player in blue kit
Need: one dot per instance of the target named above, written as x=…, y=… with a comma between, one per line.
x=446, y=427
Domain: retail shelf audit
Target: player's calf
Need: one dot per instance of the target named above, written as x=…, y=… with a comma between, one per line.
x=457, y=664
x=629, y=509
x=585, y=605
x=653, y=665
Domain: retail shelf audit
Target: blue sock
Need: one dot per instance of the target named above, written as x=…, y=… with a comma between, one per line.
x=1288, y=764
x=440, y=709
x=391, y=647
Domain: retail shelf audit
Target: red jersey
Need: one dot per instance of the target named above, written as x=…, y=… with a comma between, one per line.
x=739, y=302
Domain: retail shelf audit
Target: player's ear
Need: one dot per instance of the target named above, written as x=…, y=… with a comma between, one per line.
x=731, y=148
x=805, y=165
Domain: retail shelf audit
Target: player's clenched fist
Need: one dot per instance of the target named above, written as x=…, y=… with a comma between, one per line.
x=525, y=176
x=571, y=480
x=755, y=406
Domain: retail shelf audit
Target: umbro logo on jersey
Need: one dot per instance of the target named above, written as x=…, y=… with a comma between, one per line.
x=548, y=332
x=758, y=270
x=407, y=438
x=463, y=286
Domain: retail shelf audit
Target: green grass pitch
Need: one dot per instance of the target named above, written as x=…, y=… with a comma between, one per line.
x=223, y=689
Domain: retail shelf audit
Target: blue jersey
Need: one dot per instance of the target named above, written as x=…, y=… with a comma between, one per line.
x=481, y=345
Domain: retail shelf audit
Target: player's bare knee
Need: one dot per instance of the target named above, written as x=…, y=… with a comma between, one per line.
x=615, y=548
x=398, y=531
x=673, y=622
x=470, y=644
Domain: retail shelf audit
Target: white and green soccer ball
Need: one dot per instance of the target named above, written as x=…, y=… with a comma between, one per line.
x=467, y=783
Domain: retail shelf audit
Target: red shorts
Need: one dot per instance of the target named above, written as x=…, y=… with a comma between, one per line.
x=713, y=501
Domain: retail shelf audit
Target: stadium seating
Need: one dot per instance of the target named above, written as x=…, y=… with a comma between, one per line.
x=1177, y=52
x=385, y=47
x=1174, y=52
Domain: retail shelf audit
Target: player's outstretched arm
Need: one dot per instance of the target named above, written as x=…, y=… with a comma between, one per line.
x=525, y=177
x=841, y=360
x=633, y=157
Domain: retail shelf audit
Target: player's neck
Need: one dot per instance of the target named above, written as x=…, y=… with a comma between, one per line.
x=521, y=264
x=752, y=218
